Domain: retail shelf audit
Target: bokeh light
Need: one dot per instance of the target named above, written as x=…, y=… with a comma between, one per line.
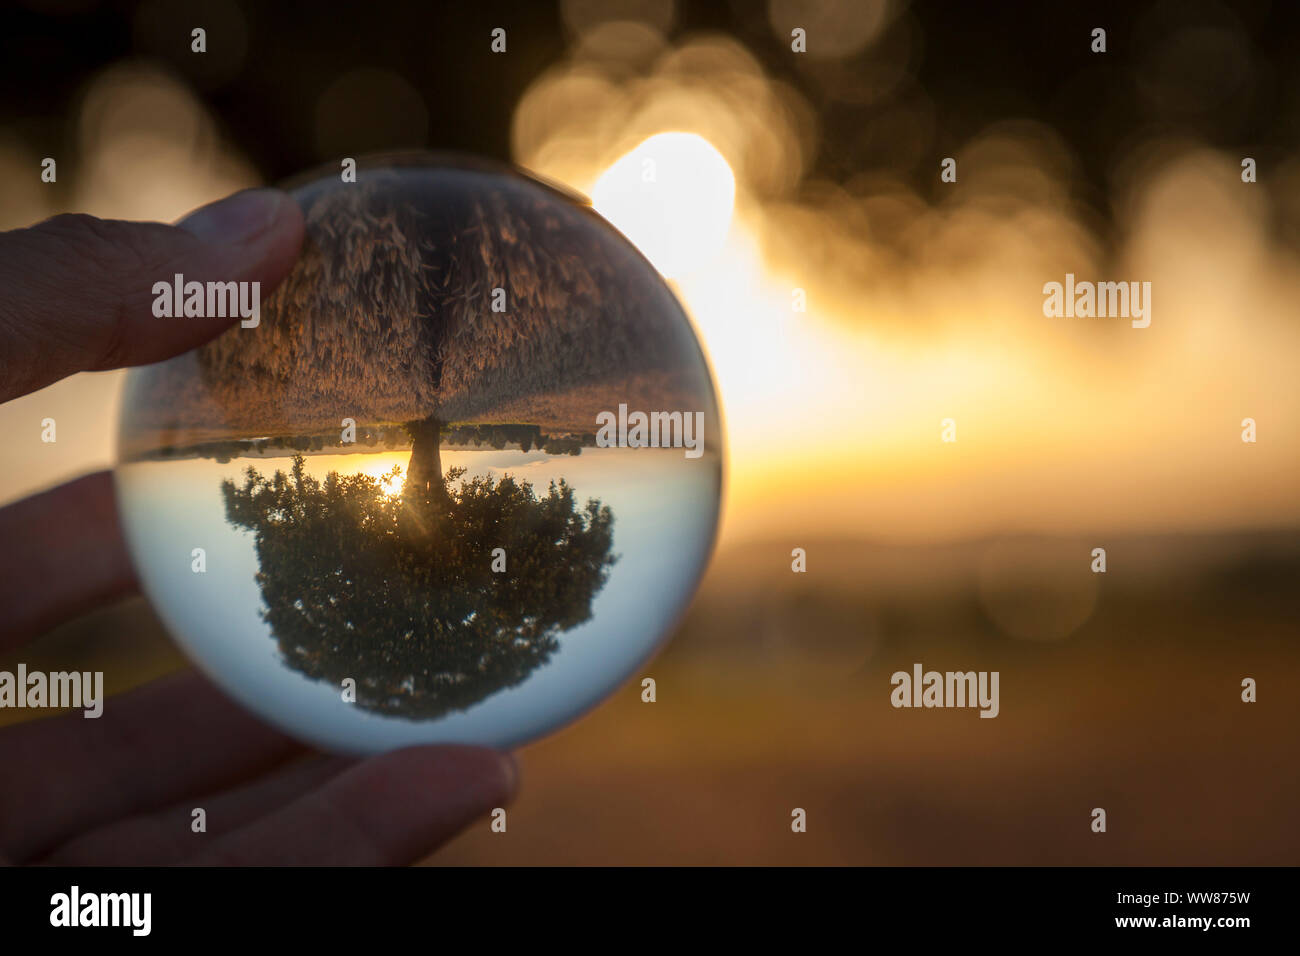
x=918, y=307
x=669, y=179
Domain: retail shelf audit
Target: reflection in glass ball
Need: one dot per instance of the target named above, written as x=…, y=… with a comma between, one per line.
x=456, y=485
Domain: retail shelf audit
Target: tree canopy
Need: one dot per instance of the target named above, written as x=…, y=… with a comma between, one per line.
x=397, y=590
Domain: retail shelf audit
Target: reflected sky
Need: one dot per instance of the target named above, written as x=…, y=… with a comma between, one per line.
x=664, y=509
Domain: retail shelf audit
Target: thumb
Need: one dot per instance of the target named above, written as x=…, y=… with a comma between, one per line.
x=76, y=292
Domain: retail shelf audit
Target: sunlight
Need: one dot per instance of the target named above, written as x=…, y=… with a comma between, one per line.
x=391, y=484
x=673, y=197
x=377, y=466
x=847, y=322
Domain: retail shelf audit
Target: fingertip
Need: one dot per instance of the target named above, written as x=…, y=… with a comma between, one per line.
x=278, y=245
x=259, y=230
x=483, y=775
x=510, y=768
x=238, y=218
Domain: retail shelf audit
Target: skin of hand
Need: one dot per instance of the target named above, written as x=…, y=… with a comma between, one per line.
x=75, y=295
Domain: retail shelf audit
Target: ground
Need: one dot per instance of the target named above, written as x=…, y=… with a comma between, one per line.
x=775, y=695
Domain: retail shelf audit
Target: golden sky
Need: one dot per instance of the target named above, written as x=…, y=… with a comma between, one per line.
x=915, y=310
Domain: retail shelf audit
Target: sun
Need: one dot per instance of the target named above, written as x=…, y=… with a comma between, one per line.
x=390, y=484
x=386, y=470
x=673, y=197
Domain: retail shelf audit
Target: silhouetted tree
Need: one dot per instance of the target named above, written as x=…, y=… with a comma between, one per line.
x=397, y=591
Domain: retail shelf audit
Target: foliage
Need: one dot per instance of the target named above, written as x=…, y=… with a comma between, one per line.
x=398, y=592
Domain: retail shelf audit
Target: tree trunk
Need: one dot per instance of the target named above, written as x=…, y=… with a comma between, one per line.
x=424, y=479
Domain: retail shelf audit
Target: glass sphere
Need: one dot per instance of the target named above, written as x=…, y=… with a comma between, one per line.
x=457, y=484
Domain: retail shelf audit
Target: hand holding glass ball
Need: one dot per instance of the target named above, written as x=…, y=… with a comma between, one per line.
x=74, y=297
x=492, y=573
x=410, y=518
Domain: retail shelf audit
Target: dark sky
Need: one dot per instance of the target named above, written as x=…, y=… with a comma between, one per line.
x=969, y=63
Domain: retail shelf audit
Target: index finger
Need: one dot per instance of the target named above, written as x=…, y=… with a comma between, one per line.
x=76, y=292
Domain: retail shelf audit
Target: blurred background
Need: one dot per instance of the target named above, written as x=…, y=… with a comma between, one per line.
x=850, y=301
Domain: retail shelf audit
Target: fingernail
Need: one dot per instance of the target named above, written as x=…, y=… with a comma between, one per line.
x=235, y=219
x=510, y=767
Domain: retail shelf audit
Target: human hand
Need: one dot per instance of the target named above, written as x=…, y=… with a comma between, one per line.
x=75, y=295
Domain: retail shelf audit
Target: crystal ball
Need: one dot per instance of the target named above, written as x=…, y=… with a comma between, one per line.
x=457, y=483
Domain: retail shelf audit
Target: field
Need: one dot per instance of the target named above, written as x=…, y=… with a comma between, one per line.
x=775, y=694
x=456, y=295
